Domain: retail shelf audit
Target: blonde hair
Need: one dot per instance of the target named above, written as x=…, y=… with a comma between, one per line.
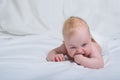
x=71, y=24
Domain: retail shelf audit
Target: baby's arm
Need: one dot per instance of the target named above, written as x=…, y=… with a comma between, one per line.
x=57, y=54
x=95, y=60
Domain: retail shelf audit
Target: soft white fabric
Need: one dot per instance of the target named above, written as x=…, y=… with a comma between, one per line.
x=23, y=57
x=21, y=17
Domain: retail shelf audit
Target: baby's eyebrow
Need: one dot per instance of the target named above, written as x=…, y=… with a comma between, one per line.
x=71, y=44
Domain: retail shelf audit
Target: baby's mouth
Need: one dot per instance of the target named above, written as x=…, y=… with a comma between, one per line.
x=79, y=53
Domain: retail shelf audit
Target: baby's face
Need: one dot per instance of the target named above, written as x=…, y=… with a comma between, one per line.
x=79, y=42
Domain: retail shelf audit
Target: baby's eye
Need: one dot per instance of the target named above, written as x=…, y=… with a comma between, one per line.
x=72, y=47
x=84, y=44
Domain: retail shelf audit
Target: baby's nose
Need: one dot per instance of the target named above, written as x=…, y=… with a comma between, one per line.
x=80, y=51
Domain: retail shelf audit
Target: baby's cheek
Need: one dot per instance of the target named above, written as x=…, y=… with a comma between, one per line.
x=89, y=48
x=87, y=51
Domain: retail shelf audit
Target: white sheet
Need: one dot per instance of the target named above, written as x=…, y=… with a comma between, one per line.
x=22, y=53
x=22, y=17
x=24, y=58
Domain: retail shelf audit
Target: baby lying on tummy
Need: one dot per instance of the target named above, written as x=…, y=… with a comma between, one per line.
x=78, y=45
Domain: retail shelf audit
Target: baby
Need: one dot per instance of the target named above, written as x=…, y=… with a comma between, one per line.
x=78, y=45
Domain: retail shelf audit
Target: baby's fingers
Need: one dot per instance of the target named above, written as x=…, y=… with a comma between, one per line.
x=59, y=58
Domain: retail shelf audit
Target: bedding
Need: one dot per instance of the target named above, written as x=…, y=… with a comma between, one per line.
x=29, y=29
x=24, y=58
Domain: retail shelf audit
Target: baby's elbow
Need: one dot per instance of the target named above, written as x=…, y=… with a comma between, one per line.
x=100, y=65
x=97, y=65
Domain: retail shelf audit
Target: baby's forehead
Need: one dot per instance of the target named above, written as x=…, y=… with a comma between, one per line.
x=83, y=30
x=78, y=32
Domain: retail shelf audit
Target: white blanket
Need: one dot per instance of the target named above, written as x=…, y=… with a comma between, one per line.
x=24, y=58
x=29, y=29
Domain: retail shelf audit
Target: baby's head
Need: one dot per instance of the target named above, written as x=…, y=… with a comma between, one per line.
x=72, y=25
x=76, y=35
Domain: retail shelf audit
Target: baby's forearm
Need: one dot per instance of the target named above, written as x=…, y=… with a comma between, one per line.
x=88, y=62
x=51, y=54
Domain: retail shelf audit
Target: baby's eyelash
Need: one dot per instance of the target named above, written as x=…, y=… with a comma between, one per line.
x=84, y=44
x=72, y=47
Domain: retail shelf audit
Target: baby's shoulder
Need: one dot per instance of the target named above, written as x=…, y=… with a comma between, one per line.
x=96, y=46
x=63, y=48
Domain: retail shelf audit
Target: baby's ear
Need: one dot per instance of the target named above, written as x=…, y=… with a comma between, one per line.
x=92, y=39
x=90, y=36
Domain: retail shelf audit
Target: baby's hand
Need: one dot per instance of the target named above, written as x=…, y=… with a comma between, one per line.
x=58, y=58
x=77, y=58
